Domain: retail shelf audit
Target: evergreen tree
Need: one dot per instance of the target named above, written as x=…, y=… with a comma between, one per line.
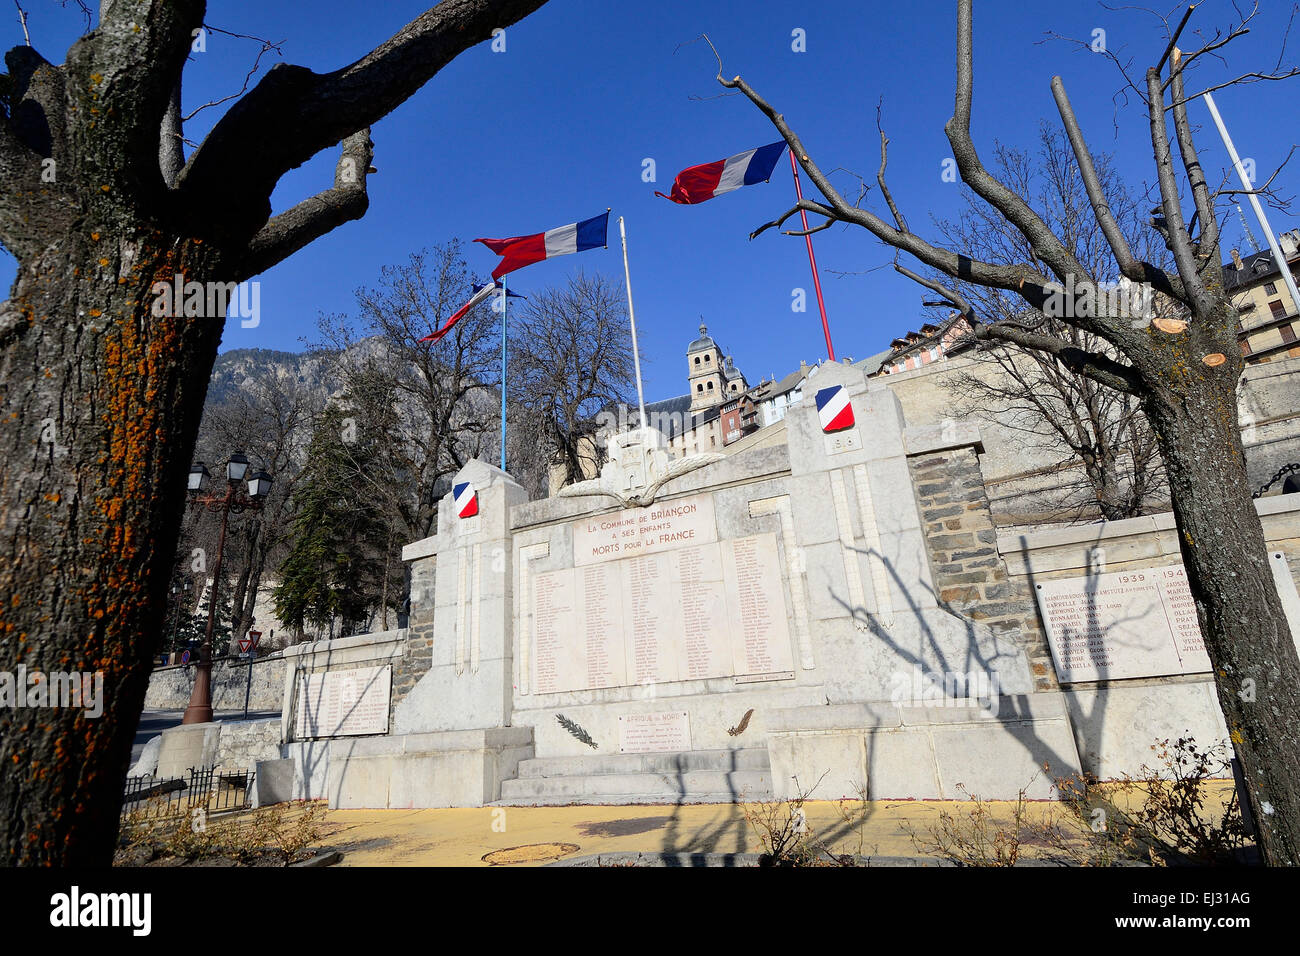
x=335, y=570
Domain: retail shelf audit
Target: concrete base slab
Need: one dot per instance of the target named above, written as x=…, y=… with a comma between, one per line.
x=961, y=749
x=460, y=768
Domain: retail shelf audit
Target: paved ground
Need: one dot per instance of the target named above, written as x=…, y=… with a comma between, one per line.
x=463, y=837
x=154, y=722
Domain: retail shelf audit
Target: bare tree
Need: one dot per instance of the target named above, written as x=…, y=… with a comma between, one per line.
x=1183, y=371
x=1108, y=462
x=102, y=393
x=269, y=418
x=440, y=395
x=572, y=358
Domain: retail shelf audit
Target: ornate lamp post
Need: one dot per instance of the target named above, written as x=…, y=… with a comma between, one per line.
x=259, y=486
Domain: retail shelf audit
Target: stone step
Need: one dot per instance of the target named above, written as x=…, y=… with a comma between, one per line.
x=751, y=758
x=691, y=786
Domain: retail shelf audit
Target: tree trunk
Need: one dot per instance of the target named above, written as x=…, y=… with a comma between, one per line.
x=1246, y=634
x=102, y=405
x=244, y=604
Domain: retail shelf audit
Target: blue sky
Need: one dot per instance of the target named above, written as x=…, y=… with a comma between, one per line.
x=557, y=128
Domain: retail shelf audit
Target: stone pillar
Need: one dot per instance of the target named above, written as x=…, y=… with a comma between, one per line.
x=461, y=608
x=917, y=698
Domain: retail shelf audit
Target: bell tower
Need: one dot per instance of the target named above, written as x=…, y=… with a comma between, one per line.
x=705, y=371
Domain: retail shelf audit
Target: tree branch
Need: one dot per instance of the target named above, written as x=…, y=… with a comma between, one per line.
x=171, y=151
x=293, y=113
x=1099, y=368
x=1129, y=265
x=1208, y=245
x=123, y=74
x=1017, y=278
x=1175, y=232
x=312, y=218
x=1041, y=239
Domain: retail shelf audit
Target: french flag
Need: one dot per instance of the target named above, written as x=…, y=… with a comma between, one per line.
x=519, y=251
x=480, y=294
x=698, y=183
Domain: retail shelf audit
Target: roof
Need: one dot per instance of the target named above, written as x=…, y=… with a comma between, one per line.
x=1256, y=267
x=871, y=366
x=706, y=416
x=703, y=342
x=929, y=335
x=667, y=411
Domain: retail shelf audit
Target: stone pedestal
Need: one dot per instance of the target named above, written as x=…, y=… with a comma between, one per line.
x=949, y=751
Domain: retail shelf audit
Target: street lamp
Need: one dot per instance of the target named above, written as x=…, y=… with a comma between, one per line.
x=200, y=477
x=259, y=486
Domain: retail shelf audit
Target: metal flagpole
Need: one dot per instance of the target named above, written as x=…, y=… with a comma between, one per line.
x=1254, y=203
x=504, y=300
x=812, y=259
x=636, y=354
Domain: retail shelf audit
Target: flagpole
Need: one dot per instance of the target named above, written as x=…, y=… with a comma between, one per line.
x=505, y=298
x=631, y=314
x=812, y=259
x=1247, y=185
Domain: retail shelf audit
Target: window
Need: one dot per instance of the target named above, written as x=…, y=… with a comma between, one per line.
x=699, y=388
x=708, y=357
x=1245, y=347
x=697, y=360
x=1288, y=333
x=1278, y=309
x=1270, y=288
x=710, y=386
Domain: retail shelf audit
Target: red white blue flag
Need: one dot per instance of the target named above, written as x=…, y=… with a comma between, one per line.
x=834, y=410
x=519, y=251
x=480, y=295
x=466, y=499
x=695, y=184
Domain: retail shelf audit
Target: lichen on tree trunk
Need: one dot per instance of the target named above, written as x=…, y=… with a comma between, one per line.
x=102, y=399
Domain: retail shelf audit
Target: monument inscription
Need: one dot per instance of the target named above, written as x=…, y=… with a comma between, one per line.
x=667, y=602
x=668, y=732
x=634, y=531
x=1123, y=624
x=343, y=703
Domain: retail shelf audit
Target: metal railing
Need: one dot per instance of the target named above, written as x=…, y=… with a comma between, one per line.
x=210, y=788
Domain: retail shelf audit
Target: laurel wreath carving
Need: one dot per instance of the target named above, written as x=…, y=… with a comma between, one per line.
x=577, y=732
x=744, y=722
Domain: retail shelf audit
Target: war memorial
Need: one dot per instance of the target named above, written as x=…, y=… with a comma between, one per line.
x=835, y=615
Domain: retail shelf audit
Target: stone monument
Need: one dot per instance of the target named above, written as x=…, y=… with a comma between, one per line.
x=707, y=629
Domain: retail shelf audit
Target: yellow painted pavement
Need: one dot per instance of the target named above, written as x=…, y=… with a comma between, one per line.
x=463, y=837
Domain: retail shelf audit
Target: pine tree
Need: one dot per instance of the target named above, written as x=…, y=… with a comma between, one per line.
x=335, y=569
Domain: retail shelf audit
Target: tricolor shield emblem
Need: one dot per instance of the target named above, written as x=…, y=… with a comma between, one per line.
x=834, y=410
x=466, y=499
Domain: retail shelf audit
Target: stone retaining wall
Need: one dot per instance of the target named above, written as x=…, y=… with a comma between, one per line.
x=170, y=687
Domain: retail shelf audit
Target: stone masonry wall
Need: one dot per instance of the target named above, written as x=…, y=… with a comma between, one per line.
x=170, y=687
x=969, y=574
x=418, y=658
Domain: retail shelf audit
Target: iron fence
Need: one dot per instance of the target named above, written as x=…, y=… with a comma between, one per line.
x=211, y=788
